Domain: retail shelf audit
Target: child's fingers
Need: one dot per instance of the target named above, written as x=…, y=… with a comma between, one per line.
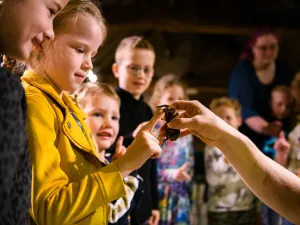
x=281, y=135
x=186, y=176
x=184, y=166
x=119, y=145
x=151, y=124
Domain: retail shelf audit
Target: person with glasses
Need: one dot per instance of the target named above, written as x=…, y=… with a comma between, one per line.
x=251, y=82
x=134, y=63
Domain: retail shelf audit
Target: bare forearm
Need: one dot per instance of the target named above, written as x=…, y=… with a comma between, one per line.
x=272, y=183
x=261, y=126
x=256, y=123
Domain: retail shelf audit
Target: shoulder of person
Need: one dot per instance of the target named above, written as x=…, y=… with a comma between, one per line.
x=284, y=67
x=9, y=80
x=242, y=70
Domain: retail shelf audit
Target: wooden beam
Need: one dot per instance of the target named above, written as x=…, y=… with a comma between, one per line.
x=177, y=26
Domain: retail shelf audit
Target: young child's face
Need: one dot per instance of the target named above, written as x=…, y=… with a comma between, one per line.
x=67, y=59
x=103, y=119
x=229, y=116
x=135, y=72
x=281, y=104
x=171, y=94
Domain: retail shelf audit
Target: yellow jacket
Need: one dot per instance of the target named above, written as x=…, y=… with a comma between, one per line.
x=69, y=185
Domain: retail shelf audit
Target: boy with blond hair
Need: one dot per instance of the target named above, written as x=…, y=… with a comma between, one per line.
x=229, y=199
x=134, y=68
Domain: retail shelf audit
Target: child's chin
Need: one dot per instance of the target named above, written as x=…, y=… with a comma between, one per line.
x=104, y=145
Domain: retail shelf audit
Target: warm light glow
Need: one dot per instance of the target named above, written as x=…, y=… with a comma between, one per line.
x=92, y=77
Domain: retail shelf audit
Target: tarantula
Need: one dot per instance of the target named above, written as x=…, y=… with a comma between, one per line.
x=170, y=114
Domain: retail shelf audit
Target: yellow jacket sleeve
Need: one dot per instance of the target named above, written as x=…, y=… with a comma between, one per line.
x=56, y=199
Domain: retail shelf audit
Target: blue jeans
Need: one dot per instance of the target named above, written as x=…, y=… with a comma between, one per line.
x=269, y=216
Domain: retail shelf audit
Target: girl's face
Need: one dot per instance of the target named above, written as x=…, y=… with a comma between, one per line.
x=103, y=119
x=67, y=59
x=171, y=94
x=25, y=23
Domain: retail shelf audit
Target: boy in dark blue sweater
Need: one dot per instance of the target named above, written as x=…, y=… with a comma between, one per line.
x=134, y=62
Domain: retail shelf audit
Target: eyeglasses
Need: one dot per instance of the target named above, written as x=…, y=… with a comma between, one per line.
x=264, y=48
x=136, y=70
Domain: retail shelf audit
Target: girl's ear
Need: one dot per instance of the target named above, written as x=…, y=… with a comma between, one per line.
x=115, y=70
x=37, y=52
x=36, y=55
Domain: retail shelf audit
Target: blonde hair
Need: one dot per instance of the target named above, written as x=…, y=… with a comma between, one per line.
x=68, y=14
x=160, y=87
x=89, y=90
x=132, y=42
x=225, y=102
x=72, y=10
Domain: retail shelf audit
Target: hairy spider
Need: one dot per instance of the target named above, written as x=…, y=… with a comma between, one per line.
x=170, y=114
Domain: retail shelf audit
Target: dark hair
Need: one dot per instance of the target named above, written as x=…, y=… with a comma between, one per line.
x=14, y=65
x=247, y=52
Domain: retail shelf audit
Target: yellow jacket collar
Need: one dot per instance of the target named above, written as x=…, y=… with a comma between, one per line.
x=65, y=101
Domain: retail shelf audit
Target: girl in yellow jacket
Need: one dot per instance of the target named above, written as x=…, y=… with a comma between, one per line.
x=69, y=184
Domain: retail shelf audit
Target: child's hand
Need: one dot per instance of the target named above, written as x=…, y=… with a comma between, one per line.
x=272, y=129
x=144, y=146
x=180, y=174
x=139, y=127
x=282, y=148
x=120, y=149
x=154, y=219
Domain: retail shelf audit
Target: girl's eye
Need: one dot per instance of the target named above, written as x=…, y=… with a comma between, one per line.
x=52, y=12
x=79, y=50
x=97, y=114
x=115, y=118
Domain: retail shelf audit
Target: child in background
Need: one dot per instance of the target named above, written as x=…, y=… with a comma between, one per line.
x=134, y=68
x=295, y=87
x=175, y=164
x=281, y=106
x=293, y=161
x=70, y=184
x=294, y=135
x=277, y=148
x=229, y=199
x=102, y=107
